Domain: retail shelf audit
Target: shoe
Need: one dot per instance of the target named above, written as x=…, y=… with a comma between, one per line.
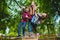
x=19, y=36
x=37, y=34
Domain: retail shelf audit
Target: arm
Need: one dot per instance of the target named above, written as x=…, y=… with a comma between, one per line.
x=30, y=11
x=25, y=16
x=28, y=16
x=21, y=9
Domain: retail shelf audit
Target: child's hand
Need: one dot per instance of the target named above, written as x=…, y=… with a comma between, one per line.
x=26, y=16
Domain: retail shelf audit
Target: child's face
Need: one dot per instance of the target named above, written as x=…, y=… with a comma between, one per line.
x=44, y=15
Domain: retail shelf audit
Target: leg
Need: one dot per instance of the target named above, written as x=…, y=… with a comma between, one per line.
x=19, y=27
x=34, y=28
x=29, y=27
x=23, y=27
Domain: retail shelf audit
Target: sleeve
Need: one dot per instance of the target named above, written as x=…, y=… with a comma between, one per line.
x=23, y=16
x=40, y=16
x=29, y=16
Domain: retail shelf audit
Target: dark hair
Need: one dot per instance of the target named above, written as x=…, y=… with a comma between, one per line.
x=26, y=7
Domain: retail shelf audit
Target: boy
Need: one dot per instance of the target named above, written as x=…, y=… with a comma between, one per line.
x=25, y=17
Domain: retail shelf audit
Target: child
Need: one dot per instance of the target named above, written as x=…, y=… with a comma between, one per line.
x=25, y=17
x=36, y=22
x=31, y=10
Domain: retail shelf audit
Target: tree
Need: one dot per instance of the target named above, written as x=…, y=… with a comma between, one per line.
x=9, y=16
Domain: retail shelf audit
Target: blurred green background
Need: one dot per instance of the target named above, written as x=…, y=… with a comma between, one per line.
x=10, y=17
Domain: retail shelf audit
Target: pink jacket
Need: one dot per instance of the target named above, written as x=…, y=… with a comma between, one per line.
x=24, y=18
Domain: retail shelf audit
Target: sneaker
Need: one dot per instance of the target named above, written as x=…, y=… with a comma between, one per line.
x=37, y=34
x=19, y=36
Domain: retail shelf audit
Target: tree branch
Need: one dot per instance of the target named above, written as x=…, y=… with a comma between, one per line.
x=17, y=3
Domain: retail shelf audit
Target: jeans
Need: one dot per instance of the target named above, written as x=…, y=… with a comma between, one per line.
x=29, y=27
x=34, y=26
x=23, y=25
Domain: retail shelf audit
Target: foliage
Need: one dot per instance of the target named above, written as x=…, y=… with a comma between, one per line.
x=9, y=14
